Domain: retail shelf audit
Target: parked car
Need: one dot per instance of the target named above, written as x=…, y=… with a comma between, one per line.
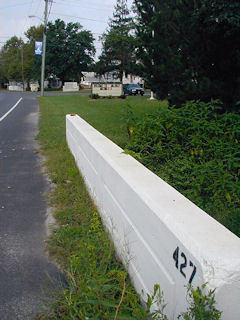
x=133, y=89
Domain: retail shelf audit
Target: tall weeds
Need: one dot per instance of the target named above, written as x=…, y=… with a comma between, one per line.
x=197, y=151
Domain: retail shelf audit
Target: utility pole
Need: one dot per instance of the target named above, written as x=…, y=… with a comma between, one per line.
x=44, y=48
x=22, y=60
x=153, y=33
x=152, y=95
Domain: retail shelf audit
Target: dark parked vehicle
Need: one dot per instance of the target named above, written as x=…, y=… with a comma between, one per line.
x=133, y=89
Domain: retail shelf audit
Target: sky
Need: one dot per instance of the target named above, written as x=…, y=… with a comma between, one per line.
x=93, y=15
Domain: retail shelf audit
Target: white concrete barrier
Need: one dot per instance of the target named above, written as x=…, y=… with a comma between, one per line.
x=70, y=86
x=162, y=237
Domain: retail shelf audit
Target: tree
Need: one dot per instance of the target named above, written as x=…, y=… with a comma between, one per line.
x=118, y=43
x=17, y=57
x=3, y=78
x=11, y=59
x=69, y=50
x=214, y=48
x=194, y=53
x=157, y=35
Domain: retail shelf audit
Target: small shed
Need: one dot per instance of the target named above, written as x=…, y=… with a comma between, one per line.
x=106, y=89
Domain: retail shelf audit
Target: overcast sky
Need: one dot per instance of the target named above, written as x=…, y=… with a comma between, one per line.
x=92, y=14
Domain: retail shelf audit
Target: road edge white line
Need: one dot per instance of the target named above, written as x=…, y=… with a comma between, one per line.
x=9, y=111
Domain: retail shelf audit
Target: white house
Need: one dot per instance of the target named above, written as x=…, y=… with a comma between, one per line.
x=89, y=77
x=16, y=86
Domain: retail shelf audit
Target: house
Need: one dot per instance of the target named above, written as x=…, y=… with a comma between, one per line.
x=90, y=77
x=16, y=86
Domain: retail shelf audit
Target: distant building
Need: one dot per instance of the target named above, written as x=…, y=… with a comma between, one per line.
x=90, y=77
x=16, y=86
x=53, y=82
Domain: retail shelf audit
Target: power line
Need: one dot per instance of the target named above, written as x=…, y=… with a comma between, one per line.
x=70, y=16
x=27, y=17
x=34, y=6
x=80, y=5
x=50, y=7
x=16, y=5
x=37, y=8
x=83, y=7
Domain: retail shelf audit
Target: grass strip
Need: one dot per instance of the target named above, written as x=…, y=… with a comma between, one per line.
x=98, y=286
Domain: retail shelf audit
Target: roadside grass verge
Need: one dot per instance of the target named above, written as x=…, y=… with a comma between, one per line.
x=110, y=117
x=98, y=286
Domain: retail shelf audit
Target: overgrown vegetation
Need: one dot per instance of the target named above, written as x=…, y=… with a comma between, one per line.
x=201, y=305
x=94, y=96
x=97, y=285
x=196, y=150
x=118, y=43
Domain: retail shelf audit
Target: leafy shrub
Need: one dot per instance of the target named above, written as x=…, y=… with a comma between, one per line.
x=196, y=150
x=127, y=116
x=123, y=96
x=94, y=96
x=156, y=299
x=201, y=306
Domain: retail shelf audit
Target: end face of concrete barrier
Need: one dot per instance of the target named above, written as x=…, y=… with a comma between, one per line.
x=161, y=237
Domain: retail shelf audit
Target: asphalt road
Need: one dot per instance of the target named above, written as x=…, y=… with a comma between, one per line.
x=26, y=276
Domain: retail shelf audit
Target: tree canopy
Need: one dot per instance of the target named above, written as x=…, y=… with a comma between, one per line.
x=11, y=66
x=118, y=43
x=70, y=50
x=193, y=52
x=17, y=58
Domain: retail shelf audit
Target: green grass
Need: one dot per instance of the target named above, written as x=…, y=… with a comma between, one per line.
x=96, y=279
x=106, y=115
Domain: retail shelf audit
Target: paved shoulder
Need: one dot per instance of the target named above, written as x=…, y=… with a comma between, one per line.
x=24, y=268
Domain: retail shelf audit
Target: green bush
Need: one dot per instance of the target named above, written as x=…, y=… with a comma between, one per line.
x=201, y=306
x=196, y=150
x=94, y=96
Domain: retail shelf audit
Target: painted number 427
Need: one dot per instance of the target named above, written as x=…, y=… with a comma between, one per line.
x=181, y=262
